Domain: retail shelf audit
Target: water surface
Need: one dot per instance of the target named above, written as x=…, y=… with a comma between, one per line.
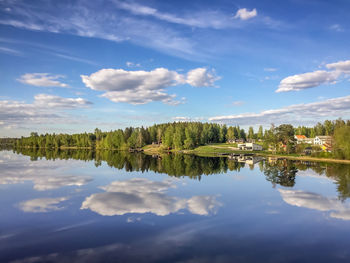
x=83, y=206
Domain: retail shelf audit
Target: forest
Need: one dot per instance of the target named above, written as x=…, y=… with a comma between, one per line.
x=189, y=135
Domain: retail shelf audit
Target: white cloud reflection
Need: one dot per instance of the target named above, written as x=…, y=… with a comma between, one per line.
x=140, y=195
x=42, y=205
x=318, y=202
x=44, y=175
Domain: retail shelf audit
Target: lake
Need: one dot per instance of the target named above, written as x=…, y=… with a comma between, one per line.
x=84, y=206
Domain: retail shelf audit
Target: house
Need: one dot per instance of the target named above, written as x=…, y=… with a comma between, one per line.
x=321, y=140
x=231, y=140
x=303, y=139
x=250, y=147
x=326, y=147
x=300, y=138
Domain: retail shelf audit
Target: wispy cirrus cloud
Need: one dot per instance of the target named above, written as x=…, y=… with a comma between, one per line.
x=198, y=18
x=42, y=80
x=141, y=87
x=10, y=51
x=128, y=21
x=300, y=113
x=316, y=78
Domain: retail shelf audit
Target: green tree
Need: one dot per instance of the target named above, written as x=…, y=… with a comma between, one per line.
x=342, y=142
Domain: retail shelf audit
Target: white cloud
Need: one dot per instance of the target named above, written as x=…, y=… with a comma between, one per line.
x=140, y=87
x=316, y=78
x=187, y=119
x=298, y=113
x=140, y=195
x=317, y=202
x=45, y=109
x=84, y=20
x=56, y=102
x=340, y=66
x=237, y=103
x=42, y=80
x=42, y=205
x=132, y=64
x=307, y=80
x=201, y=77
x=270, y=69
x=245, y=14
x=10, y=51
x=202, y=19
x=336, y=27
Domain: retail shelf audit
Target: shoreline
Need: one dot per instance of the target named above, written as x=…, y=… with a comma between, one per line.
x=222, y=153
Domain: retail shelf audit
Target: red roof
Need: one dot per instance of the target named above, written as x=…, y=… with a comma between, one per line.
x=299, y=137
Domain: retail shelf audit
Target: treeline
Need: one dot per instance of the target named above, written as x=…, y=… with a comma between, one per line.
x=188, y=135
x=177, y=135
x=326, y=128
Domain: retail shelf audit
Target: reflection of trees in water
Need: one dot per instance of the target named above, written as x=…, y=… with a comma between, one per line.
x=282, y=172
x=172, y=164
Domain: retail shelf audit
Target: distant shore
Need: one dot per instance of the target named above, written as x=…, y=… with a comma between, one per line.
x=214, y=150
x=219, y=151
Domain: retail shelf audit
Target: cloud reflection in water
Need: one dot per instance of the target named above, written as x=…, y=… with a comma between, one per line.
x=317, y=202
x=140, y=195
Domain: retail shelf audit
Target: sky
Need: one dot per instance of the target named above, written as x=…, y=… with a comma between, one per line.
x=72, y=66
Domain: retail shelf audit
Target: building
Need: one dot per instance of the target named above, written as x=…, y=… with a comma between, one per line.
x=303, y=139
x=300, y=138
x=250, y=147
x=326, y=147
x=321, y=140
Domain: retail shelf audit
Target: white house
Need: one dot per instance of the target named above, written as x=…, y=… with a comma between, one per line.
x=321, y=140
x=250, y=146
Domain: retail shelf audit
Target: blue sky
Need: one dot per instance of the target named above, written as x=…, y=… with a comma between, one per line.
x=71, y=66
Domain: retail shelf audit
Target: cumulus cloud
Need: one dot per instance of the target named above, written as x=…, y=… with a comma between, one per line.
x=140, y=195
x=340, y=66
x=317, y=202
x=44, y=175
x=245, y=14
x=42, y=80
x=42, y=205
x=201, y=77
x=307, y=80
x=298, y=113
x=316, y=78
x=45, y=109
x=140, y=87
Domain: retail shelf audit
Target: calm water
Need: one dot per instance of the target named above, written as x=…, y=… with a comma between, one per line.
x=82, y=206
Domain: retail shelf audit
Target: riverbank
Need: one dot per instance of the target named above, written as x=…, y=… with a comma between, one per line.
x=217, y=150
